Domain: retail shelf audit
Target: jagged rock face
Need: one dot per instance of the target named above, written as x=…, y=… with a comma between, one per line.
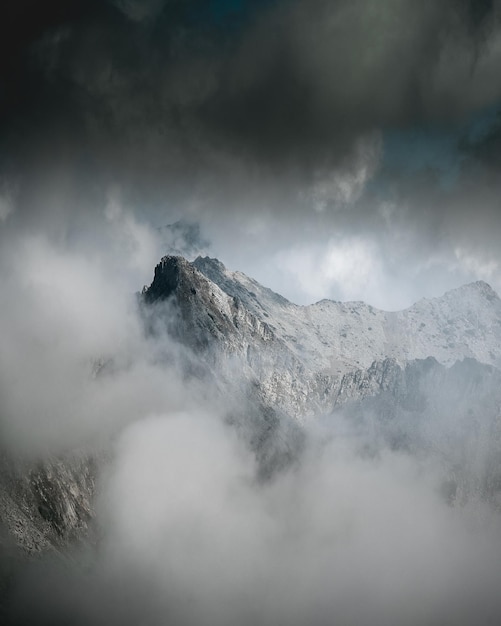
x=46, y=504
x=221, y=325
x=207, y=314
x=45, y=507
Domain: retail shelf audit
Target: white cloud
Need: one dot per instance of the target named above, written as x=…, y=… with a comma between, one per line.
x=481, y=266
x=132, y=243
x=348, y=267
x=189, y=533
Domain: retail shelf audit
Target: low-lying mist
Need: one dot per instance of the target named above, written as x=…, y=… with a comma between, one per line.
x=190, y=536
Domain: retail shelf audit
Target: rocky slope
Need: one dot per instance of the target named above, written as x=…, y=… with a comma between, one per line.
x=45, y=507
x=46, y=504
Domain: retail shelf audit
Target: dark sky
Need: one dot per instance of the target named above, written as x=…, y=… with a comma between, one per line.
x=345, y=149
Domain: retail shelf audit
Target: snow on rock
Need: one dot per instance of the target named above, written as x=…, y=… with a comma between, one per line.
x=464, y=323
x=299, y=355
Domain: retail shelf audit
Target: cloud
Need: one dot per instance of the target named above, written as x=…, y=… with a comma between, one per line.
x=289, y=90
x=346, y=266
x=75, y=364
x=190, y=534
x=140, y=10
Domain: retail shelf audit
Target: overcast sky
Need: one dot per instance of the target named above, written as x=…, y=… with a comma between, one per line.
x=343, y=149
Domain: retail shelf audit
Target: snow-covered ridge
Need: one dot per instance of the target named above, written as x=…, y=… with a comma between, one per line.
x=299, y=356
x=336, y=336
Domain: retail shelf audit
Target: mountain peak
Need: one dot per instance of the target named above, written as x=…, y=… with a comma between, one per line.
x=209, y=263
x=481, y=287
x=476, y=291
x=167, y=277
x=278, y=340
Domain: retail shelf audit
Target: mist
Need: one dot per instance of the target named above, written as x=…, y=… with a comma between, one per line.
x=75, y=361
x=190, y=536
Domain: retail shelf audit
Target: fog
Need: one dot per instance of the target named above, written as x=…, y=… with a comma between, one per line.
x=190, y=537
x=75, y=361
x=339, y=538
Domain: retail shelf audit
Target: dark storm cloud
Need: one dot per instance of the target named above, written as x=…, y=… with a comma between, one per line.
x=486, y=149
x=156, y=95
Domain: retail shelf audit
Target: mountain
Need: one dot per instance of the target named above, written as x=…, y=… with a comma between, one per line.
x=302, y=357
x=426, y=380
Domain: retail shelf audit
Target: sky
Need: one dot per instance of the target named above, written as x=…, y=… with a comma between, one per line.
x=335, y=149
x=344, y=149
